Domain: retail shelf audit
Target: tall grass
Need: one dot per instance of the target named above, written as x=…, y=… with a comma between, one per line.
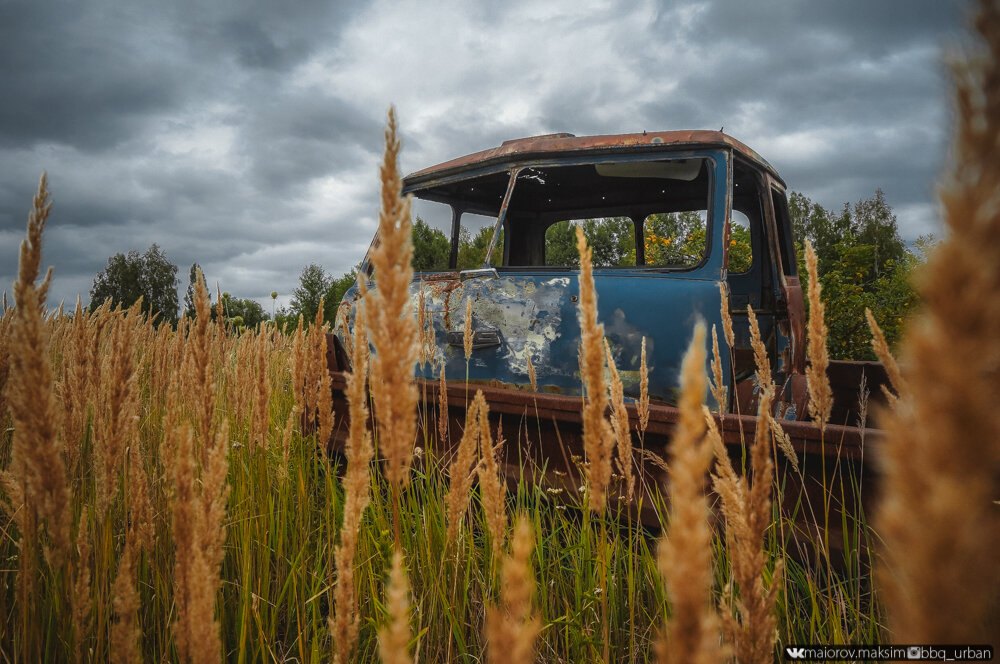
x=164, y=501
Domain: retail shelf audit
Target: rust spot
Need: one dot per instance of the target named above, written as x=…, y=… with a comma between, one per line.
x=444, y=286
x=522, y=150
x=439, y=276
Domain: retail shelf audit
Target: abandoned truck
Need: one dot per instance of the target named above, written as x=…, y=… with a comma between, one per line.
x=673, y=216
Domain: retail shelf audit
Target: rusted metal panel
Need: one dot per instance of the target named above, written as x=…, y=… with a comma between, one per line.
x=546, y=447
x=554, y=144
x=523, y=308
x=528, y=310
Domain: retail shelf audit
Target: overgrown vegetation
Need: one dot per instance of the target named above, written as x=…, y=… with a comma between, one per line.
x=164, y=501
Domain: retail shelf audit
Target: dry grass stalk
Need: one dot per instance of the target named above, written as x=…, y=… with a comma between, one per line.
x=939, y=519
x=344, y=325
x=443, y=407
x=394, y=638
x=314, y=364
x=286, y=437
x=765, y=380
x=299, y=361
x=393, y=327
x=126, y=638
x=532, y=379
x=619, y=423
x=186, y=510
x=467, y=333
x=493, y=489
x=359, y=452
x=199, y=369
x=462, y=468
x=422, y=323
x=80, y=598
x=820, y=394
x=73, y=390
x=242, y=380
x=425, y=326
x=597, y=435
x=262, y=391
x=719, y=390
x=36, y=463
x=727, y=318
x=140, y=501
x=164, y=358
x=684, y=557
x=323, y=388
x=511, y=629
x=724, y=470
x=881, y=348
x=5, y=322
x=643, y=406
x=220, y=318
x=199, y=533
x=747, y=512
x=116, y=412
x=785, y=444
x=430, y=338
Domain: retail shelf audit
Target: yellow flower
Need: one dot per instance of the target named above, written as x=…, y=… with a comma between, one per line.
x=899, y=320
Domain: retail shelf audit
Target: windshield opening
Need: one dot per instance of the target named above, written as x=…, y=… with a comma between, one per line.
x=625, y=208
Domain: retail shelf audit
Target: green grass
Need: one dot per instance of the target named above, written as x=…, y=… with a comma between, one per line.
x=278, y=573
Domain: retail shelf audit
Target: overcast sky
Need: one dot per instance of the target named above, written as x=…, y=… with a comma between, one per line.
x=245, y=135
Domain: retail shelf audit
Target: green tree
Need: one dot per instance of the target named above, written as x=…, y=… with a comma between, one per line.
x=431, y=248
x=189, y=294
x=874, y=224
x=340, y=286
x=130, y=276
x=675, y=239
x=472, y=250
x=863, y=263
x=243, y=312
x=560, y=245
x=611, y=238
x=314, y=284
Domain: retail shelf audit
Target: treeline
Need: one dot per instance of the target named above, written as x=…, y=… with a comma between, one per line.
x=863, y=263
x=153, y=278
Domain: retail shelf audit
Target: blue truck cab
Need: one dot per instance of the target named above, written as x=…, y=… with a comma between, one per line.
x=673, y=217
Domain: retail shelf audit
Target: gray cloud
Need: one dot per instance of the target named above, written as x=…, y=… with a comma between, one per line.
x=246, y=136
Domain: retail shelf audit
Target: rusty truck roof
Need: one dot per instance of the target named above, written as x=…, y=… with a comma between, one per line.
x=558, y=144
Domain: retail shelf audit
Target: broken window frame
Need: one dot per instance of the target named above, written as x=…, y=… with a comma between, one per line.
x=718, y=164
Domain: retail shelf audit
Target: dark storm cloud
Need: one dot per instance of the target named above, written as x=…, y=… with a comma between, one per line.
x=246, y=136
x=300, y=135
x=863, y=84
x=869, y=27
x=75, y=76
x=164, y=122
x=93, y=74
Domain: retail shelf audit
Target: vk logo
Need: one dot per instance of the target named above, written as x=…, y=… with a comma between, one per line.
x=796, y=653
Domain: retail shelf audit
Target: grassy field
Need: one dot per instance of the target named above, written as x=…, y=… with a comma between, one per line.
x=179, y=479
x=162, y=503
